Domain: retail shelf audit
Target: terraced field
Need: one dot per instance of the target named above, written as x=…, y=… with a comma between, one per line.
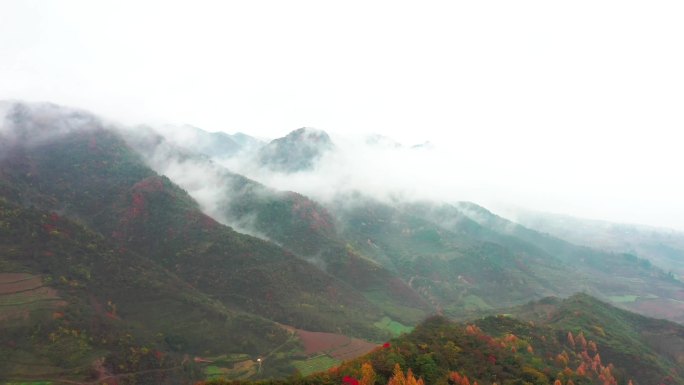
x=23, y=294
x=337, y=346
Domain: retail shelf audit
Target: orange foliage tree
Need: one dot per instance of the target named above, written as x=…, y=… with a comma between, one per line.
x=368, y=375
x=571, y=339
x=400, y=379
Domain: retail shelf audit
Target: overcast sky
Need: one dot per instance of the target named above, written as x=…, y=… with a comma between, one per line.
x=574, y=107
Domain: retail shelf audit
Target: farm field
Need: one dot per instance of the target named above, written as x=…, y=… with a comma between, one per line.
x=315, y=364
x=659, y=308
x=22, y=294
x=392, y=326
x=336, y=345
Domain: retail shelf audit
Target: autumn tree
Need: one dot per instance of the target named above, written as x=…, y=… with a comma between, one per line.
x=571, y=340
x=592, y=346
x=457, y=379
x=582, y=341
x=368, y=375
x=400, y=379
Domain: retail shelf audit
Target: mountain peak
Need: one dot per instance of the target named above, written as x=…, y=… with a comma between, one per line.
x=297, y=151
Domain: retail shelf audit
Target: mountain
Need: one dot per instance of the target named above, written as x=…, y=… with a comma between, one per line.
x=297, y=151
x=75, y=306
x=94, y=176
x=206, y=284
x=465, y=259
x=214, y=144
x=275, y=274
x=628, y=280
x=579, y=340
x=292, y=220
x=382, y=141
x=460, y=259
x=663, y=247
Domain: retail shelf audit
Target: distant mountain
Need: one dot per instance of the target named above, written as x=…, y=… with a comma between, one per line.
x=465, y=259
x=382, y=141
x=579, y=340
x=664, y=247
x=297, y=151
x=214, y=144
x=247, y=142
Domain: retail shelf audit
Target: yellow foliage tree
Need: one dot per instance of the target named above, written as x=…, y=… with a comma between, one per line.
x=400, y=379
x=368, y=375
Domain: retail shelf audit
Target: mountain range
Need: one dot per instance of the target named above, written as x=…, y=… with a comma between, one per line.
x=138, y=255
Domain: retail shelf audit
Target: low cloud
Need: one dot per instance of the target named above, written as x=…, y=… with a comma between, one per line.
x=383, y=170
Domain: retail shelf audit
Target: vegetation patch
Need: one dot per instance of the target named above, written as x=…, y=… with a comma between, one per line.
x=213, y=371
x=315, y=364
x=623, y=298
x=392, y=326
x=394, y=309
x=474, y=303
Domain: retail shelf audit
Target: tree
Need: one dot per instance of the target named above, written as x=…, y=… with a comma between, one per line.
x=571, y=340
x=427, y=366
x=582, y=341
x=399, y=379
x=368, y=375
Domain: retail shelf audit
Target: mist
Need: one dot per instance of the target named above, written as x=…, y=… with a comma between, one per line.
x=522, y=105
x=491, y=173
x=617, y=186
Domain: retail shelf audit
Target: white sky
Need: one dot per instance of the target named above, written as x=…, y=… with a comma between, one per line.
x=573, y=107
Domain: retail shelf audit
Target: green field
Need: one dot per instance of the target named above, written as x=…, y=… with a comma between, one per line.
x=393, y=327
x=315, y=364
x=213, y=371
